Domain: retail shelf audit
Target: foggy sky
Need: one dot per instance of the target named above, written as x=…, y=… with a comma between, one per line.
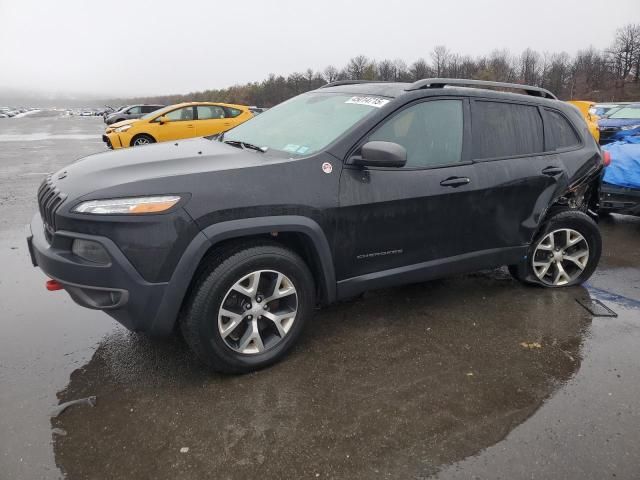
x=138, y=47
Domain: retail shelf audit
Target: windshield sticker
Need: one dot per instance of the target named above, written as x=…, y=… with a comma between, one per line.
x=302, y=150
x=290, y=147
x=376, y=102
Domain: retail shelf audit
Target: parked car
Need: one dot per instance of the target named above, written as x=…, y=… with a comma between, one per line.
x=585, y=108
x=620, y=190
x=236, y=238
x=184, y=120
x=131, y=112
x=601, y=110
x=622, y=123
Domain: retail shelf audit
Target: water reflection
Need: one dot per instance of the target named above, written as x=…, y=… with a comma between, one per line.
x=396, y=383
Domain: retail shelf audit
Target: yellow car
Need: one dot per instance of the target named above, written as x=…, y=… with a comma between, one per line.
x=184, y=120
x=592, y=120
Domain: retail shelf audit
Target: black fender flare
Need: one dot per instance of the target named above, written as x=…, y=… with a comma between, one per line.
x=178, y=285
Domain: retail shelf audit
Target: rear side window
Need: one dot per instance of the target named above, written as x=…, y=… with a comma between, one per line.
x=210, y=112
x=560, y=132
x=430, y=131
x=506, y=130
x=232, y=112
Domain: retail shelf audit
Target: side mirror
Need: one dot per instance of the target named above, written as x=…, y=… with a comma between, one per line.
x=381, y=154
x=163, y=119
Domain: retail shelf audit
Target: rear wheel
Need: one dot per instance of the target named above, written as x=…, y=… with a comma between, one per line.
x=142, y=139
x=565, y=253
x=248, y=310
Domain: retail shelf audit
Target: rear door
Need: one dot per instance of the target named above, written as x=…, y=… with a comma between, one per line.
x=518, y=176
x=211, y=119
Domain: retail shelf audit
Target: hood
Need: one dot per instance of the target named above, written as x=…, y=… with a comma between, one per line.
x=124, y=122
x=144, y=170
x=618, y=122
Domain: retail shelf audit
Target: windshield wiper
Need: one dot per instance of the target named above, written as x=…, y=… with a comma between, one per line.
x=245, y=145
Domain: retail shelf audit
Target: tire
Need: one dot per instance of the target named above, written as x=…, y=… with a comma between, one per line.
x=227, y=334
x=566, y=252
x=142, y=139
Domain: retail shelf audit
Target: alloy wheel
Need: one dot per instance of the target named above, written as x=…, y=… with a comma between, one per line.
x=560, y=257
x=141, y=141
x=258, y=312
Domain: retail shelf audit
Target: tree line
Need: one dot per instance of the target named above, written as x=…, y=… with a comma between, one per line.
x=591, y=74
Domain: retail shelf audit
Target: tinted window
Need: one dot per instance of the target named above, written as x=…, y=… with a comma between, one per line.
x=430, y=131
x=185, y=113
x=561, y=133
x=505, y=130
x=233, y=112
x=149, y=108
x=209, y=112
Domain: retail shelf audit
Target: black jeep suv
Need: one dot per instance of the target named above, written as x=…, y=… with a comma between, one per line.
x=355, y=186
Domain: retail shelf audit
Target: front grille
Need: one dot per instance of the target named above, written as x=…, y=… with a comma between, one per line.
x=49, y=200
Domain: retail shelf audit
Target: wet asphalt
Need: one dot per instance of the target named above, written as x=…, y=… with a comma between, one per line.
x=430, y=380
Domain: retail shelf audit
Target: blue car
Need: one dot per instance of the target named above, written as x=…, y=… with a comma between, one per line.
x=622, y=123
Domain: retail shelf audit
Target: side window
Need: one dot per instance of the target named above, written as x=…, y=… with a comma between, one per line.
x=181, y=114
x=505, y=130
x=135, y=110
x=149, y=108
x=430, y=131
x=210, y=112
x=560, y=132
x=233, y=112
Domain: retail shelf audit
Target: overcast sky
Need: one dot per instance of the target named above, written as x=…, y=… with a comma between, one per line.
x=138, y=47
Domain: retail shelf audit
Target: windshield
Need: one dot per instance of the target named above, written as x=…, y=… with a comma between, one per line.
x=632, y=112
x=306, y=123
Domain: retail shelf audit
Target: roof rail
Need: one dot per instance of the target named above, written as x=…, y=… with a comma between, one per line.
x=443, y=82
x=352, y=82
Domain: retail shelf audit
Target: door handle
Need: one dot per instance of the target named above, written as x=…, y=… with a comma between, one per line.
x=552, y=171
x=455, y=182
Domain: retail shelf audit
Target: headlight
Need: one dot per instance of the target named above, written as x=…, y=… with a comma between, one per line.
x=630, y=127
x=128, y=206
x=123, y=128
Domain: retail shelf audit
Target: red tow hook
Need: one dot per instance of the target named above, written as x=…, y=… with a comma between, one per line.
x=53, y=285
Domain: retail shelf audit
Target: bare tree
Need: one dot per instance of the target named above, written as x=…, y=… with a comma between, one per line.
x=625, y=52
x=530, y=66
x=419, y=69
x=357, y=67
x=330, y=74
x=386, y=70
x=440, y=56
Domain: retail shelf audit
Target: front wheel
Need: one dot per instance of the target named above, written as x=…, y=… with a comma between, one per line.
x=565, y=253
x=142, y=139
x=248, y=310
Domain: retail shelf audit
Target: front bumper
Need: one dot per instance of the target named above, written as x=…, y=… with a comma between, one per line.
x=615, y=134
x=116, y=140
x=617, y=199
x=116, y=288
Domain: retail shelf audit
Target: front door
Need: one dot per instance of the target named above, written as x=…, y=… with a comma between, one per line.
x=394, y=218
x=181, y=124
